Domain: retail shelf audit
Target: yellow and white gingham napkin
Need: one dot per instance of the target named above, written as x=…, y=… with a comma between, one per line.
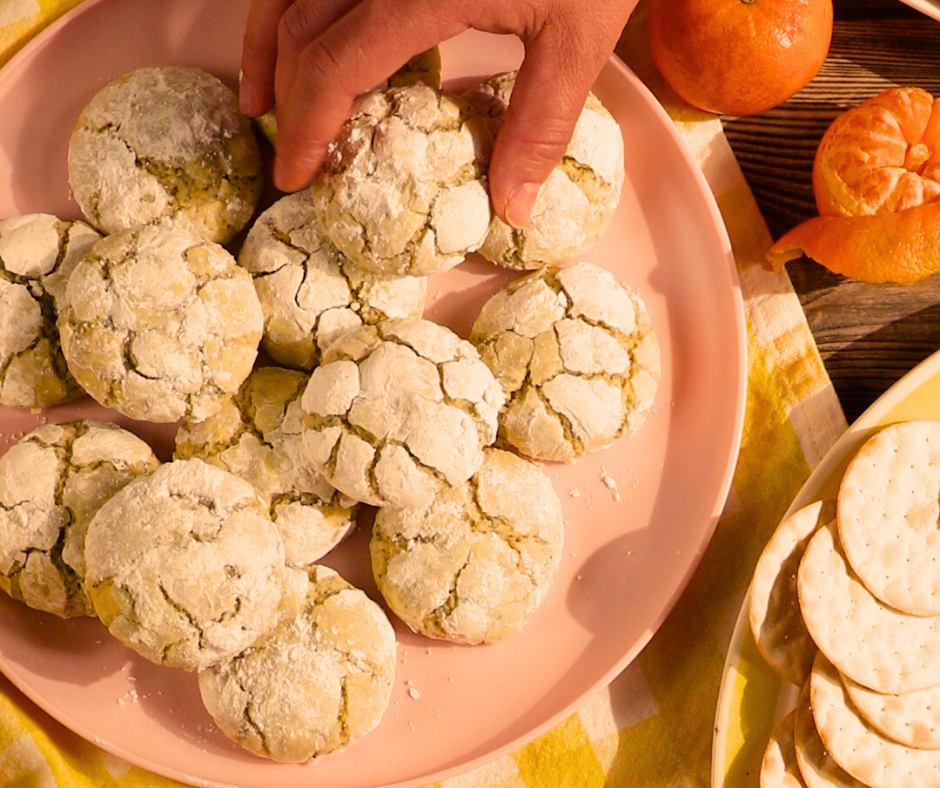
x=652, y=727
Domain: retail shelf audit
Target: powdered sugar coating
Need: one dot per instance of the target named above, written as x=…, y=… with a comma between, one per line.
x=474, y=565
x=38, y=252
x=52, y=482
x=185, y=566
x=160, y=324
x=577, y=357
x=309, y=292
x=257, y=436
x=165, y=143
x=576, y=203
x=403, y=188
x=399, y=411
x=318, y=682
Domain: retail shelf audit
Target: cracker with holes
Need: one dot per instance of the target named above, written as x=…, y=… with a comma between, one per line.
x=184, y=565
x=577, y=357
x=576, y=203
x=774, y=606
x=257, y=436
x=857, y=747
x=475, y=565
x=912, y=719
x=165, y=144
x=778, y=768
x=889, y=516
x=160, y=324
x=402, y=191
x=309, y=291
x=38, y=252
x=871, y=643
x=816, y=765
x=399, y=411
x=319, y=681
x=52, y=482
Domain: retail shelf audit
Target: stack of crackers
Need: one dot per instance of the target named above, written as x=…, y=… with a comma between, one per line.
x=845, y=603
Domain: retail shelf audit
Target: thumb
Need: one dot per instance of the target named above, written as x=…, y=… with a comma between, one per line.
x=548, y=96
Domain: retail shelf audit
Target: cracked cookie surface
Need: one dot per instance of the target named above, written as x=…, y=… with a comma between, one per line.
x=577, y=357
x=399, y=411
x=309, y=291
x=257, y=436
x=474, y=565
x=184, y=565
x=52, y=482
x=165, y=143
x=403, y=188
x=318, y=682
x=576, y=203
x=37, y=254
x=160, y=324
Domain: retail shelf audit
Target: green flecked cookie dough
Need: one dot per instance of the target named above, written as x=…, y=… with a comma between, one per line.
x=474, y=565
x=257, y=435
x=165, y=144
x=309, y=291
x=577, y=357
x=160, y=324
x=402, y=191
x=185, y=566
x=319, y=681
x=38, y=252
x=51, y=484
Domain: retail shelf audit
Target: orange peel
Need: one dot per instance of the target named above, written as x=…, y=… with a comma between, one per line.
x=882, y=155
x=900, y=247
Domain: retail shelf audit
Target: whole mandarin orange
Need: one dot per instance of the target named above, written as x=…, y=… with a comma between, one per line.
x=739, y=57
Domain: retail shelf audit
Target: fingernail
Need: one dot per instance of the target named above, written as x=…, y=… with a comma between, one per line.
x=520, y=202
x=248, y=99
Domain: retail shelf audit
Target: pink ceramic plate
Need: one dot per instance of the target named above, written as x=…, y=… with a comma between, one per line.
x=639, y=514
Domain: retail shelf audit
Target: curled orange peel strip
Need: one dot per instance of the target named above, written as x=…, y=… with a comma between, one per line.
x=900, y=247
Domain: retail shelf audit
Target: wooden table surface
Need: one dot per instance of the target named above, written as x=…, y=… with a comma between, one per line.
x=868, y=335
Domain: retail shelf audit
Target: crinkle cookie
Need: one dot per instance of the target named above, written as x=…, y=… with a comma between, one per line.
x=403, y=188
x=165, y=143
x=399, y=411
x=318, y=682
x=257, y=435
x=474, y=565
x=310, y=293
x=37, y=254
x=184, y=565
x=576, y=356
x=160, y=324
x=51, y=484
x=578, y=200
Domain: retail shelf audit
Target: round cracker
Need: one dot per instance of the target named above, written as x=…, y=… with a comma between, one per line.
x=774, y=609
x=875, y=645
x=889, y=510
x=912, y=719
x=778, y=768
x=817, y=768
x=857, y=747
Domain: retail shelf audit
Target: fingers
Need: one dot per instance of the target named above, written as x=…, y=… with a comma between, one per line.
x=559, y=69
x=352, y=55
x=259, y=55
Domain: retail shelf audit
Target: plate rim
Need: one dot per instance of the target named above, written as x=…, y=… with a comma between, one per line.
x=706, y=197
x=870, y=419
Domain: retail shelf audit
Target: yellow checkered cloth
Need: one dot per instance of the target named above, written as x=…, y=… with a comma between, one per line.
x=652, y=727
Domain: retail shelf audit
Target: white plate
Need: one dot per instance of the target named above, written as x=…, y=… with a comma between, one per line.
x=752, y=697
x=928, y=7
x=629, y=552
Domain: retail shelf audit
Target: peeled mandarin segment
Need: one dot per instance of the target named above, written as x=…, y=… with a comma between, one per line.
x=900, y=247
x=880, y=156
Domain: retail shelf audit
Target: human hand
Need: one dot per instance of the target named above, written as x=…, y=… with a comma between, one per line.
x=311, y=58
